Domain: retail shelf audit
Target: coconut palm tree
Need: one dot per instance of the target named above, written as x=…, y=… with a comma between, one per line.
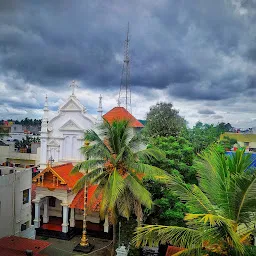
x=117, y=164
x=222, y=208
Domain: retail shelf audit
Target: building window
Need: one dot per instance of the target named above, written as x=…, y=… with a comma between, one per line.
x=24, y=226
x=246, y=144
x=52, y=201
x=25, y=196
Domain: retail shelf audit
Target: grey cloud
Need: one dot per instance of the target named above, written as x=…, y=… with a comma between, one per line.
x=190, y=48
x=206, y=112
x=217, y=117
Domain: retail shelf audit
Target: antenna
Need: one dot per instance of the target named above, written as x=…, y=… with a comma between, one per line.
x=125, y=90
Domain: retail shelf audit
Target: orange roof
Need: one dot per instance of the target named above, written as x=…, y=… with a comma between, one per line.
x=120, y=113
x=14, y=245
x=62, y=173
x=78, y=201
x=172, y=250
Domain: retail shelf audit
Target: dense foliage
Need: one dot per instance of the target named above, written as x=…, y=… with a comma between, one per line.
x=203, y=135
x=221, y=209
x=179, y=160
x=25, y=122
x=163, y=120
x=26, y=142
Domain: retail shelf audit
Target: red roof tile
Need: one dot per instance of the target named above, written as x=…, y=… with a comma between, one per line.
x=78, y=201
x=120, y=113
x=172, y=250
x=63, y=171
x=14, y=245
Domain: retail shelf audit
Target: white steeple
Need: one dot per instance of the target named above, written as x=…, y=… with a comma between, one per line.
x=100, y=110
x=45, y=115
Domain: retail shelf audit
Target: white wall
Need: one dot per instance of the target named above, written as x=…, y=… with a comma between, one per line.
x=13, y=212
x=6, y=205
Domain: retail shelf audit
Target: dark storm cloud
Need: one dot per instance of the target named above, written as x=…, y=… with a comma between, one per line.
x=191, y=49
x=206, y=112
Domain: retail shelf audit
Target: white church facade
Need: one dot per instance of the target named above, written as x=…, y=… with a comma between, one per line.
x=62, y=135
x=58, y=209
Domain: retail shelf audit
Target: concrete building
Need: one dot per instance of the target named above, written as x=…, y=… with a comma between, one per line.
x=9, y=154
x=15, y=202
x=247, y=140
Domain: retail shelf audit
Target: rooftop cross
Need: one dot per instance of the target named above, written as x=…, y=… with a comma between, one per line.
x=73, y=86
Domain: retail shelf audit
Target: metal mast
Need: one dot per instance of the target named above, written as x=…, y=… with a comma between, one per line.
x=125, y=90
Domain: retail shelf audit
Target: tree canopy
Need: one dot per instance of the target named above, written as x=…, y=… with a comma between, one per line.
x=163, y=120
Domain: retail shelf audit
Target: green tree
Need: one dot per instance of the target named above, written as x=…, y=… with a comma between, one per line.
x=179, y=160
x=163, y=120
x=227, y=143
x=203, y=135
x=117, y=165
x=221, y=209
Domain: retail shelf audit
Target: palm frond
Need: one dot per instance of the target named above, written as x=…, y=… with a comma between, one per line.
x=192, y=195
x=150, y=171
x=87, y=165
x=151, y=153
x=239, y=162
x=179, y=236
x=139, y=191
x=79, y=184
x=244, y=196
x=117, y=185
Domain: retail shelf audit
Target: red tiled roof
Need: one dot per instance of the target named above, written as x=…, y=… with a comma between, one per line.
x=120, y=113
x=63, y=171
x=78, y=201
x=172, y=250
x=14, y=245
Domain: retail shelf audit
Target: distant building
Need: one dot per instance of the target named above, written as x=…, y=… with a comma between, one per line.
x=15, y=202
x=247, y=140
x=17, y=128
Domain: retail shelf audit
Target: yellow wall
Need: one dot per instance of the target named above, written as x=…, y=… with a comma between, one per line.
x=241, y=138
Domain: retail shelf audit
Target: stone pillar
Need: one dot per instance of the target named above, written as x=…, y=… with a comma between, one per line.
x=72, y=218
x=65, y=218
x=37, y=215
x=46, y=214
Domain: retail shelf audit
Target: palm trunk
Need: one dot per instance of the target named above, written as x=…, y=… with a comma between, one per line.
x=114, y=239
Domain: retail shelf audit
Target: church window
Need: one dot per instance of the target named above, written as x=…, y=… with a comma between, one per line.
x=52, y=201
x=25, y=196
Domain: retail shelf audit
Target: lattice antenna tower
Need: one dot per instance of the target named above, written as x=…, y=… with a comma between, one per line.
x=125, y=98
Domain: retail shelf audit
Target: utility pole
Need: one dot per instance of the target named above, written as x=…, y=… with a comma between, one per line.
x=125, y=98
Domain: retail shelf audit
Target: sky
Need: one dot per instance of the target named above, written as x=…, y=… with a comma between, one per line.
x=200, y=55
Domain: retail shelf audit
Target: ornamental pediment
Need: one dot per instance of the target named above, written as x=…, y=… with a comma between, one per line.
x=70, y=126
x=72, y=105
x=53, y=143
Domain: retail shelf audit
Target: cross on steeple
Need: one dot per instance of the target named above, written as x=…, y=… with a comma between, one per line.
x=73, y=86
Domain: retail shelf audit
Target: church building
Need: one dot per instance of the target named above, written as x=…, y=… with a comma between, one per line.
x=58, y=210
